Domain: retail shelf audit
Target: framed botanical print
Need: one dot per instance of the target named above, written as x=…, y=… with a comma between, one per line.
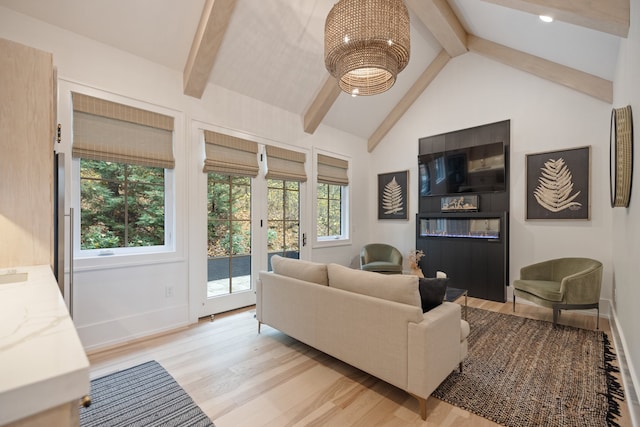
x=558, y=184
x=393, y=195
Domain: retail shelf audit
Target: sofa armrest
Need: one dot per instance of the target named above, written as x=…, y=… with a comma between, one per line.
x=434, y=348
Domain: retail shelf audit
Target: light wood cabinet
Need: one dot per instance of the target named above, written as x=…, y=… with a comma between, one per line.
x=26, y=155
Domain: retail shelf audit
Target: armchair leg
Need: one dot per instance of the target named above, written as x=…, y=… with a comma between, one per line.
x=558, y=307
x=514, y=302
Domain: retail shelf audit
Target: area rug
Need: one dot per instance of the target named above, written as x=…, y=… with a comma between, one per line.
x=145, y=395
x=522, y=372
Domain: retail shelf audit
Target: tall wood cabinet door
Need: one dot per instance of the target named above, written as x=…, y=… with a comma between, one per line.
x=26, y=155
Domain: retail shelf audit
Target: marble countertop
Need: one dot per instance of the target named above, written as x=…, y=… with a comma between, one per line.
x=42, y=361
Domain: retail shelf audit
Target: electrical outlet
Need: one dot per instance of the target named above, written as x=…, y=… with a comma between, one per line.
x=168, y=291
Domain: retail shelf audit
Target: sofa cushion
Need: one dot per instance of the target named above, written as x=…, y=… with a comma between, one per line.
x=432, y=291
x=396, y=287
x=300, y=269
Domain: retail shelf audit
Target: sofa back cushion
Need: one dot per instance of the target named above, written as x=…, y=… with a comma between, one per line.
x=393, y=287
x=300, y=269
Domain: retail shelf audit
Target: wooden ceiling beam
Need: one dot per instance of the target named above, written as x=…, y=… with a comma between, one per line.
x=409, y=98
x=443, y=23
x=321, y=104
x=206, y=42
x=609, y=16
x=589, y=84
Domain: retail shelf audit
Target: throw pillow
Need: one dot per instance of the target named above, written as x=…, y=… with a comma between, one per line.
x=300, y=269
x=432, y=292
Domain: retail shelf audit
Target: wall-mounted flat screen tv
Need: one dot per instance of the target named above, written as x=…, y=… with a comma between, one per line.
x=476, y=169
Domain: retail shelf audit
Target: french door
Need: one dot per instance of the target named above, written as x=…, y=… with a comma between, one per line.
x=248, y=221
x=228, y=235
x=283, y=219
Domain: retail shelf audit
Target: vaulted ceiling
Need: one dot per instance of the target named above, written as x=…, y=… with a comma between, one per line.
x=272, y=50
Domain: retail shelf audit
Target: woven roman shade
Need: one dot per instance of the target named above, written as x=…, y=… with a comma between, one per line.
x=108, y=131
x=332, y=170
x=229, y=155
x=285, y=164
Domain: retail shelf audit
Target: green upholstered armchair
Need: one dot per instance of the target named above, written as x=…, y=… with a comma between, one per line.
x=381, y=258
x=561, y=284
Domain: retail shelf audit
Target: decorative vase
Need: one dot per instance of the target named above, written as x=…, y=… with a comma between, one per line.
x=415, y=270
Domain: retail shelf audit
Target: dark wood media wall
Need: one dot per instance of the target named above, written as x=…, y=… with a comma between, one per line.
x=469, y=241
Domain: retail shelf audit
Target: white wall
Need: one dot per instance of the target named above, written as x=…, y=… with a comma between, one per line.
x=472, y=91
x=117, y=300
x=626, y=221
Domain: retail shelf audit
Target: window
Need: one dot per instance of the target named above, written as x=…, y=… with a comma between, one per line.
x=329, y=220
x=332, y=193
x=285, y=172
x=283, y=235
x=121, y=205
x=125, y=158
x=228, y=234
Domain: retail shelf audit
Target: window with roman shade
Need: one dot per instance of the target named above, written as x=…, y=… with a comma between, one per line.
x=332, y=170
x=229, y=155
x=125, y=186
x=332, y=200
x=285, y=164
x=112, y=132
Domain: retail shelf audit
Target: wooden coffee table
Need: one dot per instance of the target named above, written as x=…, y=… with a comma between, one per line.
x=453, y=294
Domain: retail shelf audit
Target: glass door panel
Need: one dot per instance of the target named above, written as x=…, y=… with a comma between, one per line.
x=283, y=217
x=229, y=235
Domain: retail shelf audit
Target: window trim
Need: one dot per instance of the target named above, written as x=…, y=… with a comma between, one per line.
x=169, y=222
x=97, y=258
x=345, y=237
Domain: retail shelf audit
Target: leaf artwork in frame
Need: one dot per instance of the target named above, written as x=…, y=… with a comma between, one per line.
x=393, y=202
x=558, y=184
x=555, y=186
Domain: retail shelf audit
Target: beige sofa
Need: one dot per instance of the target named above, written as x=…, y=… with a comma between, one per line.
x=371, y=321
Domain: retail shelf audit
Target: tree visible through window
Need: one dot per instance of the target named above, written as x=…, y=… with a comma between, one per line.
x=228, y=234
x=329, y=218
x=283, y=217
x=229, y=228
x=121, y=205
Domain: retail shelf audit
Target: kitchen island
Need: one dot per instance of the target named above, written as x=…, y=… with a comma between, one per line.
x=44, y=370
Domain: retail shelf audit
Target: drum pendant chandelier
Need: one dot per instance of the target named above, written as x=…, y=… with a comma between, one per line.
x=366, y=44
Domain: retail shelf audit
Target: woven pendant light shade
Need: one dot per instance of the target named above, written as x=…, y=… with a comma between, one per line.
x=366, y=44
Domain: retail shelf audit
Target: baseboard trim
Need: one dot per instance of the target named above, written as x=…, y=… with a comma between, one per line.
x=101, y=335
x=627, y=370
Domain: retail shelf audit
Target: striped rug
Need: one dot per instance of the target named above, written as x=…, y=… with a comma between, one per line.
x=145, y=395
x=525, y=373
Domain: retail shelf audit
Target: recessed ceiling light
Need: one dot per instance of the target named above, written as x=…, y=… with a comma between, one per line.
x=546, y=18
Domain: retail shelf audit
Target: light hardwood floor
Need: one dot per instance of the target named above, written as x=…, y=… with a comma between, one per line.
x=240, y=378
